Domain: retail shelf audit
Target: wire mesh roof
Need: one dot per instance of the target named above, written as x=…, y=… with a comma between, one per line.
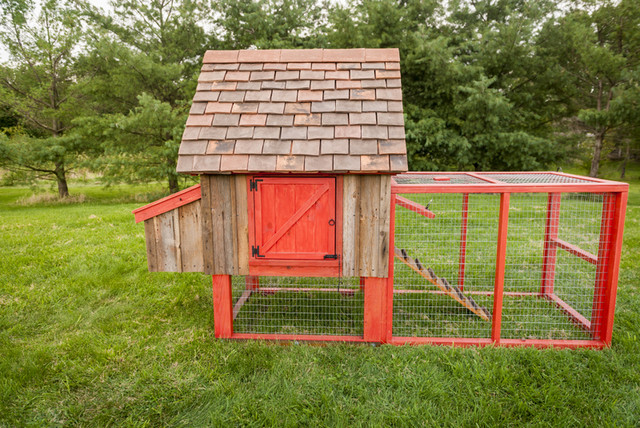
x=534, y=178
x=438, y=179
x=457, y=178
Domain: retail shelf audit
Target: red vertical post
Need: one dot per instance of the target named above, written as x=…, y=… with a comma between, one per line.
x=362, y=283
x=392, y=245
x=375, y=309
x=501, y=254
x=611, y=230
x=252, y=282
x=550, y=248
x=463, y=240
x=222, y=306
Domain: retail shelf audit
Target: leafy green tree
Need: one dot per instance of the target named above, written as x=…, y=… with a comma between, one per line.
x=270, y=24
x=144, y=59
x=381, y=23
x=476, y=90
x=596, y=49
x=40, y=84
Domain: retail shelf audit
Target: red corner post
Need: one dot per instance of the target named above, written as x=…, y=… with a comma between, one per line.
x=550, y=248
x=501, y=254
x=375, y=308
x=222, y=306
x=608, y=265
x=378, y=295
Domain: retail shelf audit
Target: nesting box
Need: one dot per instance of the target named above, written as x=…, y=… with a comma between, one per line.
x=312, y=230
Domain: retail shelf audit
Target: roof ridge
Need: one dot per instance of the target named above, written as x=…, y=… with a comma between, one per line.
x=302, y=55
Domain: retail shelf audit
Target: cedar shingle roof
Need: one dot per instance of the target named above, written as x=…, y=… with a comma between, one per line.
x=332, y=110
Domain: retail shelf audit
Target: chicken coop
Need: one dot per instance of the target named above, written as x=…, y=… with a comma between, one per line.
x=312, y=228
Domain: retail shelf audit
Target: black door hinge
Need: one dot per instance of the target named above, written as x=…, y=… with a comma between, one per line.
x=331, y=256
x=255, y=251
x=253, y=184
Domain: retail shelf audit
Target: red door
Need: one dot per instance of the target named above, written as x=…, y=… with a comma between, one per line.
x=295, y=218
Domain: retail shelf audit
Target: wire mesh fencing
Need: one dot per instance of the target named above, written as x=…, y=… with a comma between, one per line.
x=550, y=274
x=462, y=229
x=296, y=305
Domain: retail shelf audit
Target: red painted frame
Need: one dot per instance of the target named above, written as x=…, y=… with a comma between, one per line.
x=608, y=260
x=379, y=292
x=168, y=203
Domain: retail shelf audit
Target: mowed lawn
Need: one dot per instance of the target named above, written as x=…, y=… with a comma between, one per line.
x=88, y=337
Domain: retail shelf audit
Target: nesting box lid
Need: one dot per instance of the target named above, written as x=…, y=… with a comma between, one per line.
x=296, y=110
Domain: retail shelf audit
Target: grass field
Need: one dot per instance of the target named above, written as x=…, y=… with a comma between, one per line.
x=88, y=337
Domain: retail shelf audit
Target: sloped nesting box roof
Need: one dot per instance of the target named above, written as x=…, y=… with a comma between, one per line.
x=309, y=110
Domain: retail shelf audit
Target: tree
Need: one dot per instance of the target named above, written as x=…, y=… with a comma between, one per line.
x=596, y=49
x=144, y=60
x=40, y=85
x=476, y=93
x=270, y=24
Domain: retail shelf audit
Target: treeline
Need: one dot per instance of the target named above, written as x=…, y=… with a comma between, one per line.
x=487, y=84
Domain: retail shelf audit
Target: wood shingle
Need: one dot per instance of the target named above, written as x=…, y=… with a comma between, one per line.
x=296, y=110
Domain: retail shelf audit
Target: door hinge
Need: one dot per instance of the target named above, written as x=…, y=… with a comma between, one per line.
x=253, y=184
x=255, y=251
x=331, y=256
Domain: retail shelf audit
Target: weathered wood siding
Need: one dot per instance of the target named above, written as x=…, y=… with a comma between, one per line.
x=174, y=240
x=366, y=223
x=225, y=224
x=212, y=235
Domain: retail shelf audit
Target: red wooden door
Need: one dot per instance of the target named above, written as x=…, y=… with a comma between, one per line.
x=295, y=218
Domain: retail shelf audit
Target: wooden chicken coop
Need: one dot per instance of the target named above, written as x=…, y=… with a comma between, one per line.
x=312, y=230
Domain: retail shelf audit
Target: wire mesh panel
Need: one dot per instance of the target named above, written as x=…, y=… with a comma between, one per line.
x=464, y=227
x=305, y=306
x=551, y=264
x=542, y=280
x=533, y=178
x=440, y=179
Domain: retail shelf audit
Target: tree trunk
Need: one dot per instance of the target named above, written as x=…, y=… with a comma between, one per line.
x=625, y=160
x=597, y=151
x=61, y=178
x=173, y=184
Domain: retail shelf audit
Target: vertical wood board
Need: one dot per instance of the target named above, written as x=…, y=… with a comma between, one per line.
x=191, y=237
x=382, y=269
x=150, y=239
x=207, y=225
x=166, y=244
x=242, y=225
x=350, y=225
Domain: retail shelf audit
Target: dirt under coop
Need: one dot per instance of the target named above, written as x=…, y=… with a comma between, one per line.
x=477, y=259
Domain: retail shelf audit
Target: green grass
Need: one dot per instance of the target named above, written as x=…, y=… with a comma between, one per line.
x=88, y=337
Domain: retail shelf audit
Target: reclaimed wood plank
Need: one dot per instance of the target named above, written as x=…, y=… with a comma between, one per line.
x=217, y=224
x=242, y=225
x=177, y=241
x=165, y=243
x=383, y=227
x=233, y=230
x=191, y=237
x=150, y=240
x=206, y=216
x=350, y=225
x=228, y=222
x=369, y=223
